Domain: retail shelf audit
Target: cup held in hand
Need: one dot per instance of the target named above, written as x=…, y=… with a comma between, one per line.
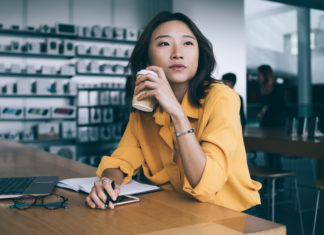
x=147, y=104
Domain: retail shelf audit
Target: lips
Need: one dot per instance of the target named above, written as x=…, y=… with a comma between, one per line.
x=177, y=67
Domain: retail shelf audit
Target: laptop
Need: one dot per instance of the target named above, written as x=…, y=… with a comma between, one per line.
x=19, y=186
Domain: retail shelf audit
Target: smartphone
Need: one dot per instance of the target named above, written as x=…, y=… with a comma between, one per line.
x=125, y=199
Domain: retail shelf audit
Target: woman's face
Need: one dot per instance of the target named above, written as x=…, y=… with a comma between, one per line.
x=174, y=48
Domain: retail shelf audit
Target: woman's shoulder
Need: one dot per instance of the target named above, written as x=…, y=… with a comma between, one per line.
x=219, y=89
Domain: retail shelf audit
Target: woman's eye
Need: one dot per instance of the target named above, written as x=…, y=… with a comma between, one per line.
x=163, y=44
x=188, y=43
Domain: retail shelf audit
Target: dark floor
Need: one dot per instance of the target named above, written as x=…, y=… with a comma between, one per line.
x=286, y=212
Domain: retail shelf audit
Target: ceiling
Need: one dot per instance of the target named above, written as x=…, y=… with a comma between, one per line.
x=316, y=4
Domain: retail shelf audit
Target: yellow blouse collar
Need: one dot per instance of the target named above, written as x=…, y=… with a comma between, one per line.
x=163, y=118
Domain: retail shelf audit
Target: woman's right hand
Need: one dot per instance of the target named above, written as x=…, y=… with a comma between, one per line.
x=97, y=197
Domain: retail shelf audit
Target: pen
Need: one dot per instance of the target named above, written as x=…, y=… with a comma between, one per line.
x=108, y=196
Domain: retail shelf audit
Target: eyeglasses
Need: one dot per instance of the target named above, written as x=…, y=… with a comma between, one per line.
x=51, y=202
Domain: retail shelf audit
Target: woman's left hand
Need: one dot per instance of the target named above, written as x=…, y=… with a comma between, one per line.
x=159, y=87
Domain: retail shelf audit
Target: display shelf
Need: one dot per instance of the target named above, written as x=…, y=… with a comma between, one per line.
x=102, y=74
x=96, y=124
x=109, y=143
x=37, y=96
x=38, y=55
x=60, y=56
x=100, y=89
x=35, y=34
x=49, y=142
x=38, y=75
x=101, y=57
x=35, y=119
x=101, y=106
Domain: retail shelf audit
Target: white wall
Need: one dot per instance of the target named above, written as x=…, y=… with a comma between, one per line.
x=222, y=22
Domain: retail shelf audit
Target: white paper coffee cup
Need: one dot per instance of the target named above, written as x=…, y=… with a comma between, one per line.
x=147, y=104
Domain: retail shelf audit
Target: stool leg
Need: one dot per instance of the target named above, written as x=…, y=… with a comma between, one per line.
x=273, y=198
x=316, y=209
x=298, y=205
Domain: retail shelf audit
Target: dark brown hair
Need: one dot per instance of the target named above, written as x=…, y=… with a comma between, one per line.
x=140, y=57
x=266, y=72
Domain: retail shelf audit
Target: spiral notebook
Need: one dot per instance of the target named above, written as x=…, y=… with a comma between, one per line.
x=85, y=185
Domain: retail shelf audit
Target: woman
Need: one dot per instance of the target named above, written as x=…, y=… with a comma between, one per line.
x=272, y=113
x=193, y=141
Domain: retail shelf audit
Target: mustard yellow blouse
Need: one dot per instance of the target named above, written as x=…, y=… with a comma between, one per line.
x=149, y=142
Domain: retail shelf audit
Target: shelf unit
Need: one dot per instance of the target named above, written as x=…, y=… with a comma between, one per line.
x=82, y=147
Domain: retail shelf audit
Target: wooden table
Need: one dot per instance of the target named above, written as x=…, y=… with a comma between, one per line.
x=163, y=212
x=278, y=141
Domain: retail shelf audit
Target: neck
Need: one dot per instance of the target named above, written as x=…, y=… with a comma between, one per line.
x=179, y=90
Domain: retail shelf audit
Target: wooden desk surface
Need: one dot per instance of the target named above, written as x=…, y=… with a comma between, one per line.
x=161, y=212
x=278, y=141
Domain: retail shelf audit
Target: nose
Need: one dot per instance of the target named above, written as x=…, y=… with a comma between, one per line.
x=177, y=52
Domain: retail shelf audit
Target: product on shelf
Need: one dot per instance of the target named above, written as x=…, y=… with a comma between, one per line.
x=48, y=70
x=106, y=51
x=64, y=29
x=83, y=116
x=68, y=69
x=15, y=46
x=96, y=31
x=66, y=47
x=27, y=135
x=30, y=69
x=67, y=151
x=93, y=66
x=93, y=134
x=81, y=49
x=83, y=98
x=95, y=115
x=15, y=68
x=86, y=31
x=105, y=133
x=14, y=27
x=104, y=97
x=131, y=34
x=11, y=112
x=52, y=46
x=119, y=33
x=93, y=50
x=108, y=115
x=2, y=68
x=83, y=134
x=69, y=130
x=48, y=131
x=37, y=112
x=31, y=47
x=26, y=86
x=119, y=69
x=63, y=112
x=106, y=68
x=44, y=28
x=119, y=52
x=107, y=32
x=81, y=66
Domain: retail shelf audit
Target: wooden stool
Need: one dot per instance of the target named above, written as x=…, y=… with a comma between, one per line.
x=274, y=174
x=319, y=184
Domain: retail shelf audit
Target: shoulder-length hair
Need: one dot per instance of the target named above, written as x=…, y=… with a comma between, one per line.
x=140, y=56
x=266, y=72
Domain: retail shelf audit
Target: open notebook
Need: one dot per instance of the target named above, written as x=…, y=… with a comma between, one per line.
x=85, y=185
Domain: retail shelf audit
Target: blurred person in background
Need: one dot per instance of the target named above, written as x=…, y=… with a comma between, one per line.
x=229, y=79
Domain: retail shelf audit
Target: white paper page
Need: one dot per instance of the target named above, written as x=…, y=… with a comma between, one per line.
x=86, y=184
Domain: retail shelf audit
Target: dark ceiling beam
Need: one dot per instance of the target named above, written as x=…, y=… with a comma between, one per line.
x=315, y=4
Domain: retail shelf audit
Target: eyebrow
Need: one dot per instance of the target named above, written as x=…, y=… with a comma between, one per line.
x=168, y=36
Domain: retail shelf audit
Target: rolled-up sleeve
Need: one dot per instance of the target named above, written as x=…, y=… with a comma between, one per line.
x=128, y=156
x=219, y=141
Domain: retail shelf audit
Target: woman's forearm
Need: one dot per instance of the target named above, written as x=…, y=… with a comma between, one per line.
x=192, y=156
